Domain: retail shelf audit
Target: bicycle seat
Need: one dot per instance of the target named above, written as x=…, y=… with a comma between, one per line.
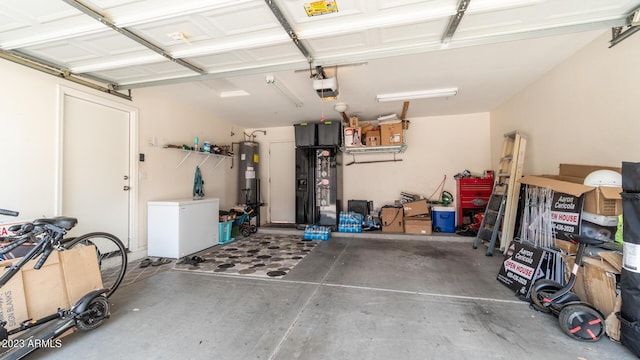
x=64, y=222
x=581, y=239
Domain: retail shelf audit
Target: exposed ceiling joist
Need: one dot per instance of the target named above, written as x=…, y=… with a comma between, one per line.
x=140, y=40
x=50, y=69
x=619, y=33
x=454, y=21
x=289, y=29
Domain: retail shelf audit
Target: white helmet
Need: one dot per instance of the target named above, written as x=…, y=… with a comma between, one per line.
x=603, y=178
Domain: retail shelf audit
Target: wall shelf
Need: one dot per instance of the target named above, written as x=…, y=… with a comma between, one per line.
x=386, y=149
x=188, y=153
x=395, y=149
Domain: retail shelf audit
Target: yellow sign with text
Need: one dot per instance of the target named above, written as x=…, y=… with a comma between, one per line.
x=320, y=8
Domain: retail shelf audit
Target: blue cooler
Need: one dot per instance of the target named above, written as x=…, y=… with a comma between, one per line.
x=444, y=219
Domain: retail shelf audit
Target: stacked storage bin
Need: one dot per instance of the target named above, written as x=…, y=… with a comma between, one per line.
x=317, y=232
x=224, y=232
x=350, y=222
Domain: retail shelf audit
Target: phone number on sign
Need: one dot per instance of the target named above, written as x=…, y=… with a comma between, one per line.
x=33, y=343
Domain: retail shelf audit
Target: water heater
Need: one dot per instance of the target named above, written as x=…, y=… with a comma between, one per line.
x=248, y=183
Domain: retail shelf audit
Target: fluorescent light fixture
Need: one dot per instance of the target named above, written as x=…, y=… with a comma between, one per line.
x=412, y=95
x=233, y=93
x=271, y=80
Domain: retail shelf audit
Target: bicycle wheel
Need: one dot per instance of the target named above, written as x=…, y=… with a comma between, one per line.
x=112, y=257
x=97, y=311
x=582, y=322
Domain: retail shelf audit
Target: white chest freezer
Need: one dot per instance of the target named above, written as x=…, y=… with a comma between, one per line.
x=177, y=228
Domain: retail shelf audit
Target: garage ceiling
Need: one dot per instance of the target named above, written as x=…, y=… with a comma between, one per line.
x=215, y=50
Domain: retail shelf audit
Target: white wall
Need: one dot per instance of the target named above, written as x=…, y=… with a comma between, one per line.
x=29, y=110
x=437, y=147
x=583, y=111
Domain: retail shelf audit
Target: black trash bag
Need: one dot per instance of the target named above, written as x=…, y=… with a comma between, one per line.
x=629, y=333
x=631, y=177
x=630, y=278
x=631, y=217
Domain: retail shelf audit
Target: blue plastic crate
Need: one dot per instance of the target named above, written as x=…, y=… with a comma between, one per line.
x=350, y=217
x=350, y=228
x=224, y=232
x=317, y=232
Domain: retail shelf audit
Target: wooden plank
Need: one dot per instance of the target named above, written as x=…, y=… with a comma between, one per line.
x=405, y=108
x=517, y=153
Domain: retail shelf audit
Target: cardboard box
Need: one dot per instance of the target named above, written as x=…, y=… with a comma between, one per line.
x=580, y=172
x=415, y=208
x=567, y=203
x=372, y=138
x=81, y=272
x=418, y=225
x=353, y=121
x=604, y=200
x=571, y=197
x=44, y=289
x=566, y=246
x=13, y=306
x=352, y=136
x=392, y=219
x=391, y=133
x=596, y=284
x=64, y=278
x=367, y=126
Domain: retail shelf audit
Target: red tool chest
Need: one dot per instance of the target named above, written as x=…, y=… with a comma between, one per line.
x=473, y=195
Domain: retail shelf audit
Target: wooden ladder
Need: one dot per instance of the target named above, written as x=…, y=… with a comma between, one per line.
x=509, y=172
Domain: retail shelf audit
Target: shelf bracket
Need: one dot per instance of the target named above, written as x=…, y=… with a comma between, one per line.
x=183, y=159
x=219, y=162
x=204, y=161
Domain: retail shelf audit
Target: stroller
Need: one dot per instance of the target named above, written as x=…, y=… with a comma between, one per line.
x=243, y=220
x=244, y=216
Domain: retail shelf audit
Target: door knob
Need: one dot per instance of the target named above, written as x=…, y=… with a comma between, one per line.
x=126, y=188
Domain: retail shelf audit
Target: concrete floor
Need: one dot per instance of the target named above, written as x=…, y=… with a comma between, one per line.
x=353, y=297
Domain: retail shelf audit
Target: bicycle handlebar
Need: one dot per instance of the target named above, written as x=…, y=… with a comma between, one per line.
x=14, y=244
x=9, y=212
x=45, y=254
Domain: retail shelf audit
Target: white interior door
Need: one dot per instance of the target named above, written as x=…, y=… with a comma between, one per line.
x=95, y=167
x=282, y=194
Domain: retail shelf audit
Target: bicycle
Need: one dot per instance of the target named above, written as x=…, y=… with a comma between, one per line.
x=88, y=312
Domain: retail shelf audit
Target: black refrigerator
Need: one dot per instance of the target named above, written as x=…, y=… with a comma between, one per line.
x=319, y=178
